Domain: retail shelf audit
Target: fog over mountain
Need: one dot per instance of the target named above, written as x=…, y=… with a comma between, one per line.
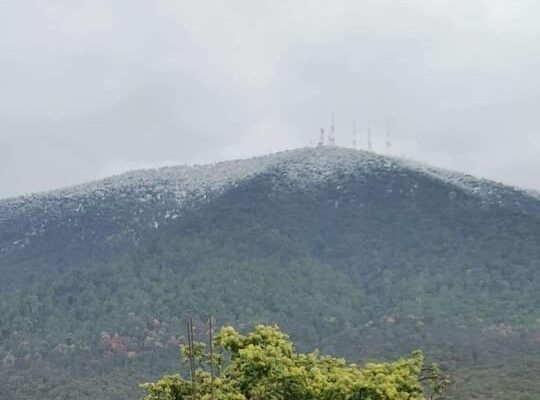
x=93, y=88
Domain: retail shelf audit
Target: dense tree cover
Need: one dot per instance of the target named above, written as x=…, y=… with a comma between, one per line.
x=264, y=365
x=367, y=268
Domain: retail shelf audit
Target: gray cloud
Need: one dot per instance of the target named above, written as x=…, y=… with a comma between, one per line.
x=91, y=88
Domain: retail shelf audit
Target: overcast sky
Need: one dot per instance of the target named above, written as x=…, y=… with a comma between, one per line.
x=92, y=88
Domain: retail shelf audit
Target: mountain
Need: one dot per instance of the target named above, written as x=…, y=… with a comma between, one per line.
x=354, y=253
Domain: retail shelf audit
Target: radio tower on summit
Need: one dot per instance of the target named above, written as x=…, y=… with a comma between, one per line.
x=331, y=137
x=388, y=141
x=369, y=143
x=321, y=138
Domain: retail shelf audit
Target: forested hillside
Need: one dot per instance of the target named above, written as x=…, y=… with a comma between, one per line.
x=358, y=254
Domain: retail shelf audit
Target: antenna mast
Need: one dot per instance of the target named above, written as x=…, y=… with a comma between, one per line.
x=321, y=138
x=331, y=138
x=388, y=141
x=369, y=143
x=354, y=136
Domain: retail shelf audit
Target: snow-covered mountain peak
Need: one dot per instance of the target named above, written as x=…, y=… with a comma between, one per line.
x=302, y=166
x=130, y=204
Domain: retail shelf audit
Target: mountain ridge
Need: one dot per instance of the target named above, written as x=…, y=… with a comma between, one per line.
x=168, y=172
x=190, y=185
x=351, y=252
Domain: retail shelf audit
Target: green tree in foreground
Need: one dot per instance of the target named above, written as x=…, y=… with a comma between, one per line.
x=263, y=365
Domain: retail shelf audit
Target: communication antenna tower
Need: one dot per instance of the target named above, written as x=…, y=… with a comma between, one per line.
x=388, y=141
x=331, y=138
x=369, y=143
x=354, y=136
x=321, y=138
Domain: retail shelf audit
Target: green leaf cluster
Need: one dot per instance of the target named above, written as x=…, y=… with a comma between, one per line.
x=264, y=365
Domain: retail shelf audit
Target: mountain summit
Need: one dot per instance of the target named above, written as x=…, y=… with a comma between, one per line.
x=355, y=253
x=127, y=207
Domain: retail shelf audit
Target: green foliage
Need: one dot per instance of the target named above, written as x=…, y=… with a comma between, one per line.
x=264, y=365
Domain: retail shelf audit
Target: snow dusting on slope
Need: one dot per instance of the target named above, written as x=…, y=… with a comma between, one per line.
x=156, y=195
